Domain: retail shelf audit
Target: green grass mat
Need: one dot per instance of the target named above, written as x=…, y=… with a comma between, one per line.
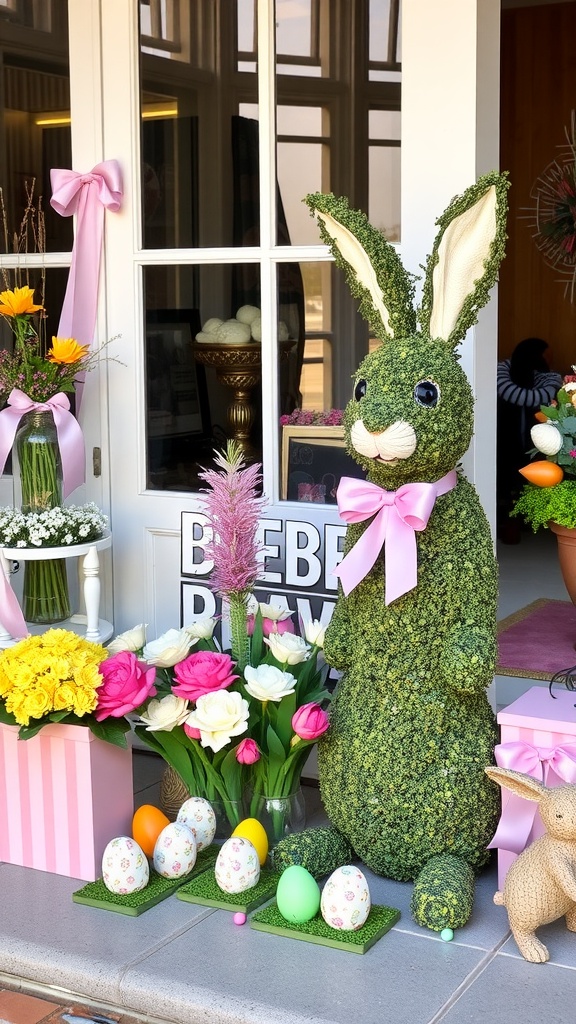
x=380, y=921
x=205, y=890
x=95, y=894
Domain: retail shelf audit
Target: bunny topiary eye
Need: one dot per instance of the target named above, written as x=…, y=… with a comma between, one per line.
x=360, y=390
x=427, y=394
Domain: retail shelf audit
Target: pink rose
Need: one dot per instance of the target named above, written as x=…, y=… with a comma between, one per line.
x=247, y=752
x=126, y=683
x=310, y=721
x=203, y=672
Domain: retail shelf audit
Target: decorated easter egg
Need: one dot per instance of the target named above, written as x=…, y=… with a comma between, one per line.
x=254, y=831
x=199, y=816
x=147, y=824
x=298, y=895
x=237, y=866
x=175, y=851
x=124, y=866
x=345, y=902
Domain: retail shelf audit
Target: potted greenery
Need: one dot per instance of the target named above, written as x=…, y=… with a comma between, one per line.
x=548, y=499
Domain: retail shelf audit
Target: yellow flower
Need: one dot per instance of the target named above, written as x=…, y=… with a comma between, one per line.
x=18, y=303
x=64, y=697
x=66, y=350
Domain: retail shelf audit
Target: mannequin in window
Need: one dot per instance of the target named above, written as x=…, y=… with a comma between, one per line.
x=524, y=382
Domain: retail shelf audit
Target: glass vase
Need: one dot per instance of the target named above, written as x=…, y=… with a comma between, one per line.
x=37, y=469
x=280, y=815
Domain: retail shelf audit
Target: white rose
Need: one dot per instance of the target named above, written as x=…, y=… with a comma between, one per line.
x=288, y=648
x=546, y=438
x=268, y=682
x=132, y=640
x=202, y=629
x=168, y=649
x=274, y=612
x=219, y=716
x=570, y=386
x=165, y=714
x=314, y=632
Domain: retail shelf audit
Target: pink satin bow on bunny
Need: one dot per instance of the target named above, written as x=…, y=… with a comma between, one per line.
x=87, y=195
x=397, y=515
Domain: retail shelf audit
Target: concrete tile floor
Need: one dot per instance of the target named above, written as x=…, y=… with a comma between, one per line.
x=187, y=964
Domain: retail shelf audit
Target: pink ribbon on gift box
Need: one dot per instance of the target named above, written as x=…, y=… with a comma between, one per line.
x=397, y=515
x=87, y=195
x=70, y=437
x=550, y=765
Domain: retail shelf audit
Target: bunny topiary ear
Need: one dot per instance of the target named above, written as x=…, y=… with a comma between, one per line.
x=372, y=266
x=464, y=262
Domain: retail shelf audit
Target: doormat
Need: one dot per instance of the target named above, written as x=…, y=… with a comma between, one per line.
x=537, y=641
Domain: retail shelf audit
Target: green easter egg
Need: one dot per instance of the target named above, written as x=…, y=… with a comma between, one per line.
x=297, y=895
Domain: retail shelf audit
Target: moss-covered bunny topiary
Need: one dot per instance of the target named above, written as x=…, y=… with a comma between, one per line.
x=402, y=766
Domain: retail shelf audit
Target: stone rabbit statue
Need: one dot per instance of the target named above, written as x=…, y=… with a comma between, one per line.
x=401, y=767
x=540, y=886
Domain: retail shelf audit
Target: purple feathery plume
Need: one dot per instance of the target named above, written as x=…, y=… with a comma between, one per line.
x=233, y=507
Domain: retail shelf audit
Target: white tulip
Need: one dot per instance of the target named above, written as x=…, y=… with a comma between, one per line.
x=165, y=714
x=202, y=629
x=546, y=438
x=219, y=716
x=288, y=648
x=170, y=648
x=132, y=640
x=268, y=682
x=314, y=632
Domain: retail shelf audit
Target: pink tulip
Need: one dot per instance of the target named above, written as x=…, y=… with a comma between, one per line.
x=310, y=721
x=203, y=672
x=247, y=752
x=126, y=684
x=277, y=626
x=191, y=732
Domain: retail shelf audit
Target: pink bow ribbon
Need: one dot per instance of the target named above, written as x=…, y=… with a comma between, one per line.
x=10, y=612
x=86, y=195
x=397, y=515
x=551, y=765
x=70, y=437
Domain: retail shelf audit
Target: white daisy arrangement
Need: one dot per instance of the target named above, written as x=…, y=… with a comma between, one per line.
x=54, y=527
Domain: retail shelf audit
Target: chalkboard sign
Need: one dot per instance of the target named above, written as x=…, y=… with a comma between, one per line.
x=313, y=460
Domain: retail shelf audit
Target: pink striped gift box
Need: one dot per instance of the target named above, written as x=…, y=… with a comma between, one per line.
x=63, y=795
x=538, y=737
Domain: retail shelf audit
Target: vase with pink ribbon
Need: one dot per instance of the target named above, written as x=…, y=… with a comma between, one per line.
x=37, y=471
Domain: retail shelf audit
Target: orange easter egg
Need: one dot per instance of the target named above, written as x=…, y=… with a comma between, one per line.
x=541, y=417
x=147, y=824
x=543, y=473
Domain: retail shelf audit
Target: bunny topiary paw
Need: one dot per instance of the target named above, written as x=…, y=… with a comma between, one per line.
x=319, y=850
x=443, y=894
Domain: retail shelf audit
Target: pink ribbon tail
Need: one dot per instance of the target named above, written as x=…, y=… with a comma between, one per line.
x=70, y=437
x=547, y=764
x=10, y=612
x=396, y=517
x=87, y=195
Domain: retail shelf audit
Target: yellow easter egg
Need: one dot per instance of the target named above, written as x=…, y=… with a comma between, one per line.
x=252, y=830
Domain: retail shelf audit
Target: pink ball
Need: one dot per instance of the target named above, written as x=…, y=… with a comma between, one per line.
x=239, y=918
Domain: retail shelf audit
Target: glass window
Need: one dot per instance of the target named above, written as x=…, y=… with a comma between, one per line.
x=203, y=368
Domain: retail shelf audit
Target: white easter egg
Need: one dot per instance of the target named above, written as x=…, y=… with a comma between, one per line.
x=175, y=851
x=124, y=866
x=199, y=816
x=237, y=866
x=345, y=902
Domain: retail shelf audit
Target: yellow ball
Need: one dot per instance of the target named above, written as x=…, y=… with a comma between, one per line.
x=252, y=830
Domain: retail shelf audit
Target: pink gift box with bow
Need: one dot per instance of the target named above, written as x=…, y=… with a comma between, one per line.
x=64, y=794
x=537, y=737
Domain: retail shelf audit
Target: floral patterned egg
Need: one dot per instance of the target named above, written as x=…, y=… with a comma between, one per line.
x=345, y=902
x=199, y=816
x=175, y=851
x=124, y=866
x=237, y=866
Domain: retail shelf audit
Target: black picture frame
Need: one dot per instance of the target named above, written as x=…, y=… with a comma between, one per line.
x=313, y=461
x=176, y=392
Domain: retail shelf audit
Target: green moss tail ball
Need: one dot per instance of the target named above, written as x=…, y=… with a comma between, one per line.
x=443, y=893
x=319, y=850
